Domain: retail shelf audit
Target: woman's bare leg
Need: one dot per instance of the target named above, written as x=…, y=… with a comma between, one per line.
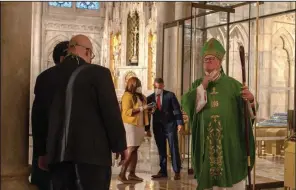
x=124, y=167
x=133, y=165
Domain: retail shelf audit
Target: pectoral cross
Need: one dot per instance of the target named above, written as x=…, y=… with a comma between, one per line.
x=214, y=91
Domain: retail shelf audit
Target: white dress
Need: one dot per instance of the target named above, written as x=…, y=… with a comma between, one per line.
x=135, y=134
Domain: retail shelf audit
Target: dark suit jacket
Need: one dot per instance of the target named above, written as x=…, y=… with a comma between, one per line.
x=44, y=91
x=170, y=114
x=96, y=126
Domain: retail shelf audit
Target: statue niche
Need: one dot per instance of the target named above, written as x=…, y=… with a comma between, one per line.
x=133, y=39
x=115, y=51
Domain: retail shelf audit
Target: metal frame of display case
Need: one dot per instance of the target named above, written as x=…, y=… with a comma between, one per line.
x=294, y=118
x=228, y=10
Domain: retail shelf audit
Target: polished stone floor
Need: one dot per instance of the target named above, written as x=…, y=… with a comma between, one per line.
x=268, y=169
x=147, y=165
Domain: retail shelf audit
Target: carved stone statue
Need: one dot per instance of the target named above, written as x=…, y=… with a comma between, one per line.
x=135, y=56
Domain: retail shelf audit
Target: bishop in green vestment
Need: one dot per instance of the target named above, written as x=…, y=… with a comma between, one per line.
x=214, y=105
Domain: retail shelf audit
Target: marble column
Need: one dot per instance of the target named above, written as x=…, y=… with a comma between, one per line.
x=182, y=10
x=199, y=40
x=36, y=47
x=165, y=13
x=16, y=19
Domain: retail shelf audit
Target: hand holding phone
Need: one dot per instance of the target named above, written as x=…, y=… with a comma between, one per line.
x=151, y=105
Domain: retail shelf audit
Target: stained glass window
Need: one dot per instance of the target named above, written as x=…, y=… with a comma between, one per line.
x=64, y=4
x=91, y=5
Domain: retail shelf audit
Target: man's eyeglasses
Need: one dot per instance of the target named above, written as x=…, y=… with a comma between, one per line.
x=209, y=59
x=87, y=49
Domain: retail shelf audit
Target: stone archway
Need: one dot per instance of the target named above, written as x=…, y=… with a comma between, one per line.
x=218, y=34
x=48, y=50
x=238, y=35
x=281, y=68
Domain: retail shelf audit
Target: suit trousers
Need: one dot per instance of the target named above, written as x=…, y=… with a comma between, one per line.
x=70, y=176
x=161, y=134
x=39, y=177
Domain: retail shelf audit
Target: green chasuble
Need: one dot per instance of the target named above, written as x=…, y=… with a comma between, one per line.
x=218, y=134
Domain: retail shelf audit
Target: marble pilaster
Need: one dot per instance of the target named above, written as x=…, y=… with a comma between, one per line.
x=182, y=10
x=36, y=46
x=165, y=13
x=16, y=19
x=199, y=39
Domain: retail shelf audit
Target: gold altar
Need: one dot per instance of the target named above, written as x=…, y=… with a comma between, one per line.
x=290, y=176
x=270, y=140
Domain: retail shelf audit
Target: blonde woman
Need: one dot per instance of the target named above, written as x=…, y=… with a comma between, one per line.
x=134, y=112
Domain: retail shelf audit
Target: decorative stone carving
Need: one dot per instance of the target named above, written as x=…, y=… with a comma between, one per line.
x=57, y=27
x=49, y=25
x=151, y=60
x=117, y=48
x=153, y=49
x=128, y=75
x=286, y=18
x=135, y=7
x=117, y=23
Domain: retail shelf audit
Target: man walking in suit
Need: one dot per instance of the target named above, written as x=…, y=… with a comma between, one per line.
x=85, y=122
x=39, y=176
x=167, y=121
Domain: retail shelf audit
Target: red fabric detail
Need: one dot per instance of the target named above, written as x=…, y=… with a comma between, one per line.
x=158, y=102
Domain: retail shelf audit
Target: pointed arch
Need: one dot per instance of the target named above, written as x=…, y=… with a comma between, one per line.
x=237, y=35
x=241, y=32
x=222, y=36
x=53, y=42
x=48, y=50
x=283, y=39
x=218, y=34
x=282, y=44
x=288, y=41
